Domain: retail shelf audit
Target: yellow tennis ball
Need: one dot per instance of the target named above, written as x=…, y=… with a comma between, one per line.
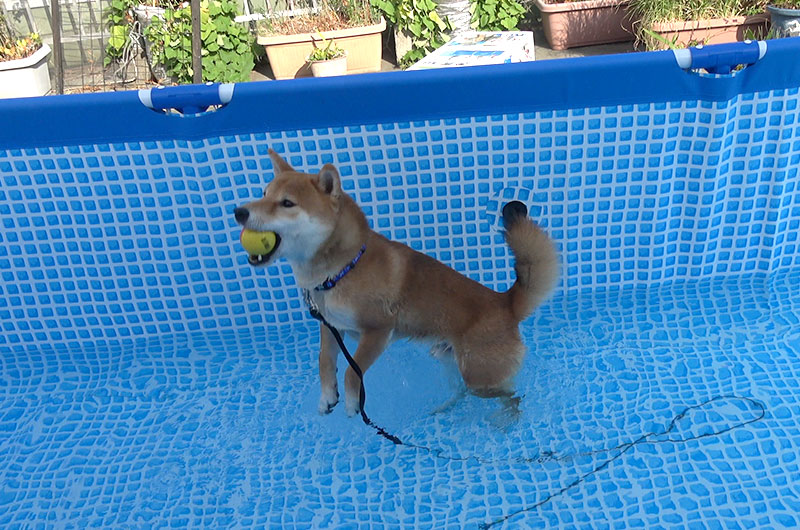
x=257, y=243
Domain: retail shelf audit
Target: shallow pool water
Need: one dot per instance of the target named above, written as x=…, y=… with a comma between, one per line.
x=221, y=430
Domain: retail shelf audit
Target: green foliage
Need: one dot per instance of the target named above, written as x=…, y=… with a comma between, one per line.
x=654, y=39
x=227, y=47
x=119, y=20
x=420, y=19
x=358, y=12
x=496, y=15
x=20, y=48
x=650, y=11
x=646, y=13
x=13, y=46
x=328, y=52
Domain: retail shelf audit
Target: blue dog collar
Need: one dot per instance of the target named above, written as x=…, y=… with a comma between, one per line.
x=330, y=283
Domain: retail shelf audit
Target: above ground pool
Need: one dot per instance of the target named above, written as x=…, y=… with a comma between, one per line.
x=150, y=378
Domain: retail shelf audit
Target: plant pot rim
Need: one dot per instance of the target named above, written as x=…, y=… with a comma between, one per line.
x=708, y=23
x=581, y=5
x=32, y=60
x=340, y=58
x=327, y=35
x=787, y=11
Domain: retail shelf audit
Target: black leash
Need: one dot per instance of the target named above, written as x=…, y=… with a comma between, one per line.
x=362, y=397
x=547, y=456
x=624, y=448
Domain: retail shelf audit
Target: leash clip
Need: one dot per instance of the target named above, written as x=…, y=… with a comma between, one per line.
x=313, y=308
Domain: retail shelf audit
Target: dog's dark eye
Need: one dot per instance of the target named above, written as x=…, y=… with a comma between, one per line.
x=286, y=203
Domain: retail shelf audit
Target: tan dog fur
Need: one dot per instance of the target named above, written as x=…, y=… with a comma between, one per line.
x=395, y=291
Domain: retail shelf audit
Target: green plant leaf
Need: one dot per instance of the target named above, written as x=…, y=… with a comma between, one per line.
x=438, y=21
x=119, y=35
x=389, y=11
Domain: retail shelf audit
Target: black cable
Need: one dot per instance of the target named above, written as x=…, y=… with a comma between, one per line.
x=624, y=448
x=548, y=456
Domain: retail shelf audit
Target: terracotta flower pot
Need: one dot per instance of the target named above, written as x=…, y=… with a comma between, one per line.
x=288, y=54
x=712, y=31
x=573, y=24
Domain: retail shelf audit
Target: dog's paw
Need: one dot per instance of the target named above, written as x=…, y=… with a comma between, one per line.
x=327, y=401
x=509, y=414
x=448, y=405
x=351, y=406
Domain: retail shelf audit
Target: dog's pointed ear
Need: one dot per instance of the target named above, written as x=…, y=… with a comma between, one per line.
x=328, y=180
x=279, y=164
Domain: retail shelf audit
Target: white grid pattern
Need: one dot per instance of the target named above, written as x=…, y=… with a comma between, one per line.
x=132, y=239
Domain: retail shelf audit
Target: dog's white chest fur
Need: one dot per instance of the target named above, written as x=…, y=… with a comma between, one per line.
x=338, y=314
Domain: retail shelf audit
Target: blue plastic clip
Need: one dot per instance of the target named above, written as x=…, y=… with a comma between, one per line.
x=721, y=58
x=187, y=99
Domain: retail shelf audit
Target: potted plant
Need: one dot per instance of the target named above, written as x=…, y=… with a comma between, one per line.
x=288, y=38
x=568, y=24
x=785, y=18
x=23, y=64
x=329, y=60
x=683, y=23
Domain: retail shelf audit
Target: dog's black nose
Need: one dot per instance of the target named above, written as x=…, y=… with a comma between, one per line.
x=241, y=215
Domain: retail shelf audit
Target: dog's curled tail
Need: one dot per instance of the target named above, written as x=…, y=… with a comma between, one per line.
x=536, y=260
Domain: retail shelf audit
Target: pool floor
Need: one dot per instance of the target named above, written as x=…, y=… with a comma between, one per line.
x=674, y=406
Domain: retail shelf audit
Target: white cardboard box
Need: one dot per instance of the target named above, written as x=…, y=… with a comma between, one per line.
x=481, y=48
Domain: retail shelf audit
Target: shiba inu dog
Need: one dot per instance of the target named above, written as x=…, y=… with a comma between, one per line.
x=366, y=284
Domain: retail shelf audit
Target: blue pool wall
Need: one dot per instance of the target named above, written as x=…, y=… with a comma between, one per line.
x=116, y=218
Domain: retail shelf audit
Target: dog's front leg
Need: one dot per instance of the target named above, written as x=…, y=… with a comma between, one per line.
x=328, y=350
x=370, y=346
